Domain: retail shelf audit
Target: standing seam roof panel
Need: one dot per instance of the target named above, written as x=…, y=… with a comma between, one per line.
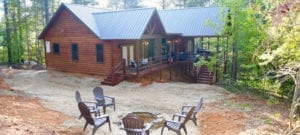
x=127, y=24
x=193, y=21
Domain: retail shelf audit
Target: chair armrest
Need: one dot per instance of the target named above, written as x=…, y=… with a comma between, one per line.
x=112, y=98
x=102, y=116
x=186, y=106
x=98, y=98
x=91, y=104
x=178, y=115
x=148, y=126
x=171, y=121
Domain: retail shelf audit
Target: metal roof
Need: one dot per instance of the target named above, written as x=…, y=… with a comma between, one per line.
x=85, y=14
x=125, y=24
x=199, y=21
x=131, y=24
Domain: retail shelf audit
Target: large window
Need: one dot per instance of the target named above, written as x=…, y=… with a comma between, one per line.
x=75, y=52
x=55, y=48
x=99, y=53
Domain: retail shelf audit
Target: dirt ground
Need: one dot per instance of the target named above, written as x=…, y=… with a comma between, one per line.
x=43, y=102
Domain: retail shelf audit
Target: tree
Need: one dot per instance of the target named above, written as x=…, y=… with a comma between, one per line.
x=282, y=52
x=191, y=3
x=8, y=38
x=165, y=4
x=85, y=2
x=46, y=8
x=131, y=4
x=197, y=3
x=115, y=4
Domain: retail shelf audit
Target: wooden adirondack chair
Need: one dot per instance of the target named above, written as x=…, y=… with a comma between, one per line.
x=185, y=108
x=102, y=100
x=177, y=126
x=134, y=125
x=91, y=105
x=96, y=121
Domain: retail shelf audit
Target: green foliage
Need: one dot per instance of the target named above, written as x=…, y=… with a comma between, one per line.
x=262, y=45
x=26, y=23
x=272, y=101
x=269, y=121
x=246, y=107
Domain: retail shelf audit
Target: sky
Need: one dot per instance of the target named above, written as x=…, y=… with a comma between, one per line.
x=103, y=3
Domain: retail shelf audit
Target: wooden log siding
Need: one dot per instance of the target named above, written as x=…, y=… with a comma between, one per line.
x=67, y=30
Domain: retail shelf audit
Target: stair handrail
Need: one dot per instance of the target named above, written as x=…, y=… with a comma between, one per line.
x=118, y=67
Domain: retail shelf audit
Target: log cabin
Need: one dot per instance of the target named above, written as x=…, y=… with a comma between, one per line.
x=128, y=43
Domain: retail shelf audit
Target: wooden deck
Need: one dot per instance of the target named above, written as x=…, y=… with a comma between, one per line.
x=154, y=66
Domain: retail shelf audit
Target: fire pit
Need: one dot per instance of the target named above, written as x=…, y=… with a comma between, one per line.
x=155, y=119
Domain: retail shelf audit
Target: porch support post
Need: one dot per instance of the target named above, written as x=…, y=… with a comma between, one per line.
x=177, y=57
x=138, y=58
x=112, y=61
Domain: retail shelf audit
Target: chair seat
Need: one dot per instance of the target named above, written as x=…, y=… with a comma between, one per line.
x=100, y=121
x=173, y=125
x=94, y=121
x=109, y=103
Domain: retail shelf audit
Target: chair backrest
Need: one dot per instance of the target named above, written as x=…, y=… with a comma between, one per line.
x=188, y=115
x=85, y=112
x=98, y=93
x=199, y=105
x=132, y=123
x=77, y=96
x=133, y=64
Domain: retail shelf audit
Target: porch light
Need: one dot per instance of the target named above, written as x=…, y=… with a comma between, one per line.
x=176, y=41
x=169, y=41
x=145, y=43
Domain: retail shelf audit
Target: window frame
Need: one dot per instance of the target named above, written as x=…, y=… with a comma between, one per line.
x=72, y=52
x=55, y=49
x=99, y=55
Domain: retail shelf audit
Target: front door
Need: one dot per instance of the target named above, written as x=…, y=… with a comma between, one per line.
x=128, y=53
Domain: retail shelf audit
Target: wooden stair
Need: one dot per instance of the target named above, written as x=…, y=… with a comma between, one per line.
x=204, y=76
x=113, y=79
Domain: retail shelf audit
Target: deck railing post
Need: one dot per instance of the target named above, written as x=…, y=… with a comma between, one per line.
x=123, y=65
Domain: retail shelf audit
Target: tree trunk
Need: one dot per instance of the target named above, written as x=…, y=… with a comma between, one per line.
x=234, y=62
x=7, y=32
x=27, y=35
x=36, y=32
x=46, y=8
x=15, y=40
x=294, y=107
x=20, y=38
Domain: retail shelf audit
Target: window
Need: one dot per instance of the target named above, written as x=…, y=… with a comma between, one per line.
x=75, y=52
x=55, y=48
x=99, y=53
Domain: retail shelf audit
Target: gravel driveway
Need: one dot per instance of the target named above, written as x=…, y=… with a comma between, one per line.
x=57, y=91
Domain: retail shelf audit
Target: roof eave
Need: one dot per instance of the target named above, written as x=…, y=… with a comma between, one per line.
x=52, y=20
x=60, y=9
